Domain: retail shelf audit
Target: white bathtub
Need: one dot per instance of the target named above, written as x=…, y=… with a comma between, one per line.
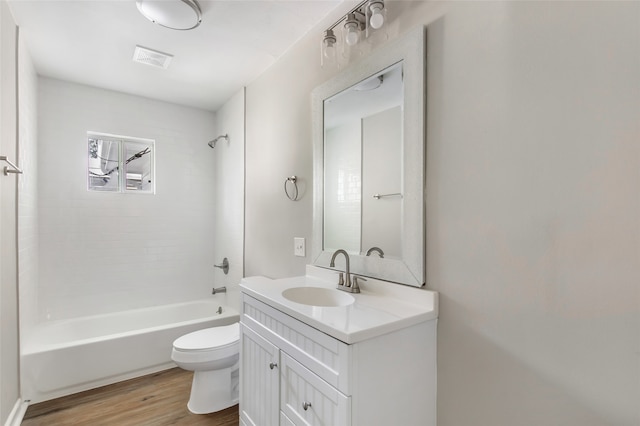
x=67, y=356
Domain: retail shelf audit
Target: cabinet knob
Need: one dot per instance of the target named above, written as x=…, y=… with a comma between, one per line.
x=306, y=405
x=273, y=365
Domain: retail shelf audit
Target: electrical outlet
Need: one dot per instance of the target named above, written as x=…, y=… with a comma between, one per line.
x=298, y=247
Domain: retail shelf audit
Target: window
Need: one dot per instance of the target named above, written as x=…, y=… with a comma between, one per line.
x=120, y=164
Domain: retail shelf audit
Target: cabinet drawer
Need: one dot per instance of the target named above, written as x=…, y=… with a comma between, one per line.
x=306, y=399
x=322, y=354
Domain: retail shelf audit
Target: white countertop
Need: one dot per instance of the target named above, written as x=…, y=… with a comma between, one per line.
x=381, y=307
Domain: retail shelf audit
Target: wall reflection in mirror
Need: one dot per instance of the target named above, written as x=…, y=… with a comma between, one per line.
x=363, y=166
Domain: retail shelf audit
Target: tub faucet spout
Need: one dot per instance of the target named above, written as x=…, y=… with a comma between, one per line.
x=219, y=290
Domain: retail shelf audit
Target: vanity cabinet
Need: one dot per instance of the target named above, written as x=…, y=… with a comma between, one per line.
x=278, y=389
x=294, y=374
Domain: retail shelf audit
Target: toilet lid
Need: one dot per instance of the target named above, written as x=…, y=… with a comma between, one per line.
x=209, y=338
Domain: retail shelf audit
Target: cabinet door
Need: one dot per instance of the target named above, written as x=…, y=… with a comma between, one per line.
x=306, y=399
x=259, y=371
x=284, y=420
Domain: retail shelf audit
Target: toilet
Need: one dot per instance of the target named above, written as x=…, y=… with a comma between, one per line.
x=212, y=354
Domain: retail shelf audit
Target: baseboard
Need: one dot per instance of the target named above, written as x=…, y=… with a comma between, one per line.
x=17, y=413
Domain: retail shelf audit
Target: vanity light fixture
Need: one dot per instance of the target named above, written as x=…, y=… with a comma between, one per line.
x=359, y=23
x=174, y=14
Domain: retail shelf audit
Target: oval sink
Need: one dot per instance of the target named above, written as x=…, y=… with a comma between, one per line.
x=318, y=296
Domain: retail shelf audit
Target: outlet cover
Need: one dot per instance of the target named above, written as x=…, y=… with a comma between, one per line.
x=298, y=246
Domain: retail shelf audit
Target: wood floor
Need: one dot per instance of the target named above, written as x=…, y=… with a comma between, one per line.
x=154, y=400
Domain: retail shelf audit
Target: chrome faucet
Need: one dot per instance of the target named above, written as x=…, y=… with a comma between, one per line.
x=345, y=284
x=333, y=264
x=219, y=290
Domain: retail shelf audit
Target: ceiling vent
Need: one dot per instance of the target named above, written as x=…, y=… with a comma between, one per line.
x=151, y=57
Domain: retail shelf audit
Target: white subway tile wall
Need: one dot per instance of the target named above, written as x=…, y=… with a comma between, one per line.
x=27, y=191
x=103, y=252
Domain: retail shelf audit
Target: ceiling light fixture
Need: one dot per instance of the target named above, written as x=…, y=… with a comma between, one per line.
x=362, y=21
x=174, y=14
x=370, y=84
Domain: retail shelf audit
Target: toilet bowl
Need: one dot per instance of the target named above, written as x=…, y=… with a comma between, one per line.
x=212, y=354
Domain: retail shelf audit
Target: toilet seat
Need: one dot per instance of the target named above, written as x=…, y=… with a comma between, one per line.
x=209, y=339
x=210, y=348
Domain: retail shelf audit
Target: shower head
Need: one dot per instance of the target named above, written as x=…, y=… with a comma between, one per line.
x=213, y=143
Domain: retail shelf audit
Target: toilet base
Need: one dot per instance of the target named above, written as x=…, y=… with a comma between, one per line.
x=214, y=390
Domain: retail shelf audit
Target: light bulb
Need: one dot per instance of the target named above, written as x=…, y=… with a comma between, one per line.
x=352, y=36
x=377, y=18
x=352, y=30
x=329, y=50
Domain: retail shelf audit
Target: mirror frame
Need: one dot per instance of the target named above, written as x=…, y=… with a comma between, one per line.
x=410, y=49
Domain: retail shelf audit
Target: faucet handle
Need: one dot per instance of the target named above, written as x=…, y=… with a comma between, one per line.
x=355, y=288
x=340, y=278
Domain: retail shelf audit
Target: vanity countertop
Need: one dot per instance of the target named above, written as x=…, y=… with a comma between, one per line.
x=381, y=307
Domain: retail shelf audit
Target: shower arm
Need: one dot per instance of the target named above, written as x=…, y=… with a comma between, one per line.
x=213, y=143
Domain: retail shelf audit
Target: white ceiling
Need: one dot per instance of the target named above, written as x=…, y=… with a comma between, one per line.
x=92, y=42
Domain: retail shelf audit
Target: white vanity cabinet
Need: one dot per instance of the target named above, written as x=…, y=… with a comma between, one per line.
x=294, y=374
x=276, y=384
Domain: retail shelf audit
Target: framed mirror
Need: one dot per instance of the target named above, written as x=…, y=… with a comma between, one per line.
x=369, y=164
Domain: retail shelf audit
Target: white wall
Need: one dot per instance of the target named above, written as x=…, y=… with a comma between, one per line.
x=228, y=168
x=9, y=340
x=106, y=251
x=533, y=210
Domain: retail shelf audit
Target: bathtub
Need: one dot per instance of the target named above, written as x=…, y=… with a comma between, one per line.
x=68, y=356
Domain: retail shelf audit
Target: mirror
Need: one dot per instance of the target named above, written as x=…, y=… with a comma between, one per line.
x=368, y=128
x=363, y=167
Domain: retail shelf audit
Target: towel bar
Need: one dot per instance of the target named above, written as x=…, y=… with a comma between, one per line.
x=7, y=170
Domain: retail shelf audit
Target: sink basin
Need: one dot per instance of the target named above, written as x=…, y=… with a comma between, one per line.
x=318, y=296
